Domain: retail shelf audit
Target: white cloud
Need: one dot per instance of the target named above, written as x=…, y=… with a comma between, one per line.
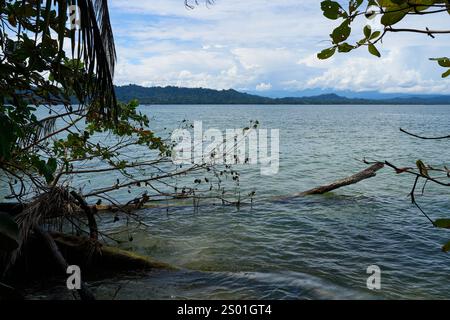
x=312, y=61
x=393, y=73
x=255, y=43
x=263, y=86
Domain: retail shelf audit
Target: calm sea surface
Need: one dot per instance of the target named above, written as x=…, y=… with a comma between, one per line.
x=315, y=247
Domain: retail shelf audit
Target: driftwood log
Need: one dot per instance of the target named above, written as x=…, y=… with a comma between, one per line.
x=360, y=176
x=78, y=250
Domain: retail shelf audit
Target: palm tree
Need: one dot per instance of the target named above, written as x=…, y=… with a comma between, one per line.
x=91, y=44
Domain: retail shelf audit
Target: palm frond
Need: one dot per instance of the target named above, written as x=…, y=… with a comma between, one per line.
x=50, y=209
x=92, y=44
x=106, y=32
x=96, y=42
x=37, y=131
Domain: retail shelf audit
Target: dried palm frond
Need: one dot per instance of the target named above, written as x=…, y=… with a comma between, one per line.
x=50, y=209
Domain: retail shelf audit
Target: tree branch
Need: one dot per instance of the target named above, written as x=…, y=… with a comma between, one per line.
x=363, y=175
x=427, y=32
x=424, y=138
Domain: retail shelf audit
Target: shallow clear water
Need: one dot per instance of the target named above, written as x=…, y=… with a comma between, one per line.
x=316, y=247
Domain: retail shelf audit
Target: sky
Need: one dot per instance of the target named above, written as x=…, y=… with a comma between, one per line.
x=266, y=46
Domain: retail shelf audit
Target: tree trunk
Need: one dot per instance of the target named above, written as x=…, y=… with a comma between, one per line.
x=84, y=292
x=360, y=176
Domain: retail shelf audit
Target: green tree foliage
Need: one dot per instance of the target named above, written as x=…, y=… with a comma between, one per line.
x=35, y=71
x=392, y=12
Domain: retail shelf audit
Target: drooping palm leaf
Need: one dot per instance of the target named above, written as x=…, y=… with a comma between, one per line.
x=92, y=44
x=99, y=55
x=37, y=131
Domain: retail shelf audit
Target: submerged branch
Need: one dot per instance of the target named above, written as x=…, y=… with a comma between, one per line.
x=363, y=175
x=424, y=138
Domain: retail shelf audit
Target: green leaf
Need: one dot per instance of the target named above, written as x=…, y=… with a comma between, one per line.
x=367, y=32
x=443, y=62
x=345, y=47
x=46, y=169
x=9, y=233
x=326, y=53
x=331, y=9
x=422, y=168
x=399, y=1
x=341, y=33
x=52, y=165
x=421, y=4
x=442, y=223
x=446, y=74
x=375, y=35
x=446, y=247
x=362, y=41
x=373, y=50
x=392, y=18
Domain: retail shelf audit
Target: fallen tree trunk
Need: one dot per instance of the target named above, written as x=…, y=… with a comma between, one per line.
x=360, y=176
x=97, y=261
x=79, y=251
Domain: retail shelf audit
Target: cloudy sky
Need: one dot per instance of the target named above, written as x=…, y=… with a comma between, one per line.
x=265, y=46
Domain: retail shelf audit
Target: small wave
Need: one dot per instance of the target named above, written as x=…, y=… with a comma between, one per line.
x=294, y=285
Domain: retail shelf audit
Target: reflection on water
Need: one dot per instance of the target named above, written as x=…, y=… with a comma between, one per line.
x=316, y=247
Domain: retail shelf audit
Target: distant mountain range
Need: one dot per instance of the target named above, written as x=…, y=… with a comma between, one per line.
x=176, y=95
